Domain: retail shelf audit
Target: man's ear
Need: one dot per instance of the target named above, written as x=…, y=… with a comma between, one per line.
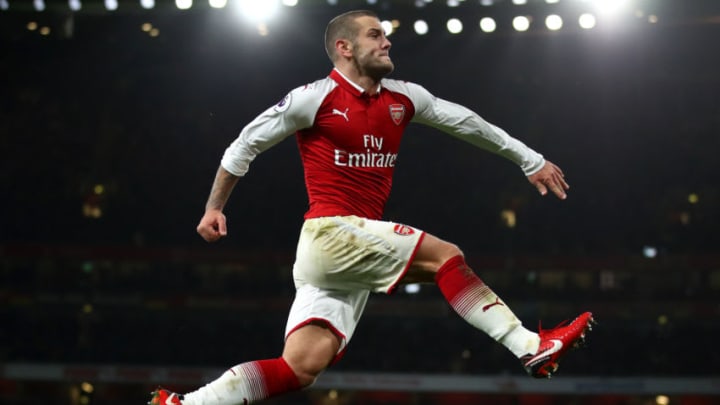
x=343, y=47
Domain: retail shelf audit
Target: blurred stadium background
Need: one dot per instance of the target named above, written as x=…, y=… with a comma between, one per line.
x=114, y=115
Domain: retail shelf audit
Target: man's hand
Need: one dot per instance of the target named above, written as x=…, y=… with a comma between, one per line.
x=552, y=178
x=212, y=226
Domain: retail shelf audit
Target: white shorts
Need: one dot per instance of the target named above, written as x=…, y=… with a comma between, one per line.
x=339, y=261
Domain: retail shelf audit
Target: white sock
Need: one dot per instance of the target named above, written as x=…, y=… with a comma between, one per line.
x=492, y=316
x=239, y=385
x=475, y=302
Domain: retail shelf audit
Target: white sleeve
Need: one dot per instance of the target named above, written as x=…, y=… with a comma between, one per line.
x=467, y=125
x=294, y=112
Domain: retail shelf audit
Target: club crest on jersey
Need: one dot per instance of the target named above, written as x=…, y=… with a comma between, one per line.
x=397, y=113
x=403, y=230
x=284, y=104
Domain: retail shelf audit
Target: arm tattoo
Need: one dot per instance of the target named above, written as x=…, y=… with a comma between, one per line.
x=221, y=189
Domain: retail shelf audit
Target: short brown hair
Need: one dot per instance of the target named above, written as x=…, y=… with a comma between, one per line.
x=343, y=27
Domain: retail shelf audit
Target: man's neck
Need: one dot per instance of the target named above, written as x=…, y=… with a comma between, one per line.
x=369, y=85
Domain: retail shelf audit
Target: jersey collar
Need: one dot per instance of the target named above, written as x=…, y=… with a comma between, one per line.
x=348, y=84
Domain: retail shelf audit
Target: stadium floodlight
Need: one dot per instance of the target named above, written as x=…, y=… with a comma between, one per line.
x=487, y=24
x=147, y=4
x=519, y=2
x=290, y=3
x=4, y=5
x=74, y=5
x=554, y=22
x=487, y=3
x=217, y=3
x=421, y=27
x=111, y=5
x=454, y=26
x=453, y=3
x=259, y=10
x=587, y=21
x=387, y=27
x=521, y=23
x=552, y=1
x=609, y=6
x=372, y=2
x=183, y=4
x=39, y=5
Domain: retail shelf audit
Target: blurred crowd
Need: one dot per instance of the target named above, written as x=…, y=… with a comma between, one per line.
x=182, y=308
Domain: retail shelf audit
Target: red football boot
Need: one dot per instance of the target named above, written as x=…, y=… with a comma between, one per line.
x=164, y=397
x=554, y=343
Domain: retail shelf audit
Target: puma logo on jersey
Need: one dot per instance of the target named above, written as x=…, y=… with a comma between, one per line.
x=488, y=306
x=341, y=113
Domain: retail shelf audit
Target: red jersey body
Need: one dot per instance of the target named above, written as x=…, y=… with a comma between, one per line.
x=349, y=154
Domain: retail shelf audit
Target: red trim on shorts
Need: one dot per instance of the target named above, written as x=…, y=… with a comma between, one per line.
x=407, y=267
x=339, y=356
x=330, y=326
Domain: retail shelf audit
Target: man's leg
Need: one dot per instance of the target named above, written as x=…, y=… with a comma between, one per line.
x=443, y=263
x=308, y=351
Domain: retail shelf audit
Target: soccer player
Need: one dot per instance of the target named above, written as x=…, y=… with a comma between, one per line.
x=348, y=127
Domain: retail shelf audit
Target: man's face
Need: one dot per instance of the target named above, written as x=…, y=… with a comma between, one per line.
x=371, y=49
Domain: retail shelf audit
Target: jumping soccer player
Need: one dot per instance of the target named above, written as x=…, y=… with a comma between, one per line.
x=348, y=128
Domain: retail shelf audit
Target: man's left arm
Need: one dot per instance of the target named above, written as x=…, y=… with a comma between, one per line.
x=465, y=124
x=550, y=177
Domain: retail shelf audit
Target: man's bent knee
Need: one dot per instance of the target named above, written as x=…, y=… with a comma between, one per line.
x=449, y=250
x=435, y=252
x=310, y=350
x=432, y=253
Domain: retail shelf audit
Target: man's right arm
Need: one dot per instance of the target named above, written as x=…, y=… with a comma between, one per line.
x=294, y=112
x=213, y=225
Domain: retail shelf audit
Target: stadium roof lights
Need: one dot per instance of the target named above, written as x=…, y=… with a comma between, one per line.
x=385, y=5
x=420, y=17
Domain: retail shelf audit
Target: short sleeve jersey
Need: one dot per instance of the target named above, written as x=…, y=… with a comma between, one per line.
x=349, y=140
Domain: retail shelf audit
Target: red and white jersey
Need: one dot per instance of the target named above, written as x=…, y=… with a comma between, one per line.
x=349, y=140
